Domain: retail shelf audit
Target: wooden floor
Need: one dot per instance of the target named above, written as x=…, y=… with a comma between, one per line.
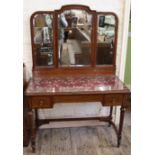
x=98, y=140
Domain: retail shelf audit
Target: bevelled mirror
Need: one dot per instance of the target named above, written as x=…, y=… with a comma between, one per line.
x=74, y=37
x=106, y=39
x=43, y=39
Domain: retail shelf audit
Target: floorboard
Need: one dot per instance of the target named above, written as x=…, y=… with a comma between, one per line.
x=98, y=140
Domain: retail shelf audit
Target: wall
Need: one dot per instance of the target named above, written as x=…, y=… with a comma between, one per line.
x=30, y=6
x=127, y=77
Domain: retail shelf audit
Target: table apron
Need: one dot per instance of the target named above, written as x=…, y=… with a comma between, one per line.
x=36, y=102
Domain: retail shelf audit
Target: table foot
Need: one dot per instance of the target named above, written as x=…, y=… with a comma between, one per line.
x=118, y=141
x=33, y=149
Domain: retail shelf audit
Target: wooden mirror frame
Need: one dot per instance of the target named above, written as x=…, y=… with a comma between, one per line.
x=116, y=36
x=55, y=69
x=32, y=38
x=91, y=12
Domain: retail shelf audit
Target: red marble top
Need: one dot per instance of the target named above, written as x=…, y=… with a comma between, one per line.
x=75, y=85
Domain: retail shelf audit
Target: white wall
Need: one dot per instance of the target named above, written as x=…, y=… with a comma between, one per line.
x=30, y=6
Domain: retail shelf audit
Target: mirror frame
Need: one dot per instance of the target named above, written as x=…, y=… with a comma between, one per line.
x=32, y=39
x=93, y=68
x=116, y=37
x=76, y=7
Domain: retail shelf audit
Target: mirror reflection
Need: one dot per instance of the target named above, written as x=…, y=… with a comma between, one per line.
x=74, y=37
x=105, y=39
x=43, y=39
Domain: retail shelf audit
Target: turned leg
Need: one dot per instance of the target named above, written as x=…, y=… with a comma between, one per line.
x=36, y=118
x=33, y=142
x=25, y=132
x=32, y=130
x=122, y=112
x=110, y=115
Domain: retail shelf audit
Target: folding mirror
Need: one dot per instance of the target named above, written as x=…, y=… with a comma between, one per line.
x=42, y=38
x=106, y=39
x=72, y=37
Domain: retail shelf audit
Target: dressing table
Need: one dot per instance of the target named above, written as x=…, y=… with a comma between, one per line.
x=74, y=63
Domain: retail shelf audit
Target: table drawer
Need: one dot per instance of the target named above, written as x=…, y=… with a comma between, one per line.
x=41, y=102
x=113, y=99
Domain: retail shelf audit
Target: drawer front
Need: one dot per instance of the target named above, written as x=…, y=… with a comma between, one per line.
x=41, y=102
x=113, y=99
x=78, y=98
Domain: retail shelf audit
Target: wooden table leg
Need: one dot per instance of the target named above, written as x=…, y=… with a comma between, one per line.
x=110, y=115
x=32, y=130
x=36, y=118
x=33, y=142
x=25, y=133
x=122, y=112
x=26, y=126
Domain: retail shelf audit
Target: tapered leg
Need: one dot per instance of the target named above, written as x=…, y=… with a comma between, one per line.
x=122, y=112
x=25, y=133
x=36, y=118
x=33, y=143
x=32, y=130
x=110, y=115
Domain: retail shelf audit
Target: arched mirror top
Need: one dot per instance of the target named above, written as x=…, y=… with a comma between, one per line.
x=42, y=39
x=75, y=36
x=106, y=33
x=77, y=7
x=87, y=41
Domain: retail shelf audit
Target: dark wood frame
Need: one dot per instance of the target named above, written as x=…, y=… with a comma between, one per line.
x=116, y=33
x=93, y=68
x=32, y=38
x=87, y=9
x=117, y=97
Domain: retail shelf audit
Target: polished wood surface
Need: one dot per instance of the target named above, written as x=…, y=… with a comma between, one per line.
x=86, y=83
x=45, y=92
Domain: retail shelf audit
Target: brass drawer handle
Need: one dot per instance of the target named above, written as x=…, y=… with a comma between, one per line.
x=41, y=102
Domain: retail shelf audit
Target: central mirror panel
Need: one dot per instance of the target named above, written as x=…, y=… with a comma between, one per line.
x=74, y=37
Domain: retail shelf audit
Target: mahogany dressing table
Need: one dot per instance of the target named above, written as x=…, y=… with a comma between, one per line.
x=80, y=68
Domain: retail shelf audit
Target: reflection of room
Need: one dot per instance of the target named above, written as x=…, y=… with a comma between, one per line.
x=42, y=28
x=105, y=39
x=77, y=38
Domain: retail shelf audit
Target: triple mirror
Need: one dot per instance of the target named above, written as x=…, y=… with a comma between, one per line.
x=83, y=38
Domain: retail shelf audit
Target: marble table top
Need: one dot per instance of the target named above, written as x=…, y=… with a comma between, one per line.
x=75, y=84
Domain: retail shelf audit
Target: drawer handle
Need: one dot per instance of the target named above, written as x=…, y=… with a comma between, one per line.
x=41, y=102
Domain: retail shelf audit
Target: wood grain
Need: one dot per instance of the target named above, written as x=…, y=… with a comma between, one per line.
x=61, y=143
x=99, y=140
